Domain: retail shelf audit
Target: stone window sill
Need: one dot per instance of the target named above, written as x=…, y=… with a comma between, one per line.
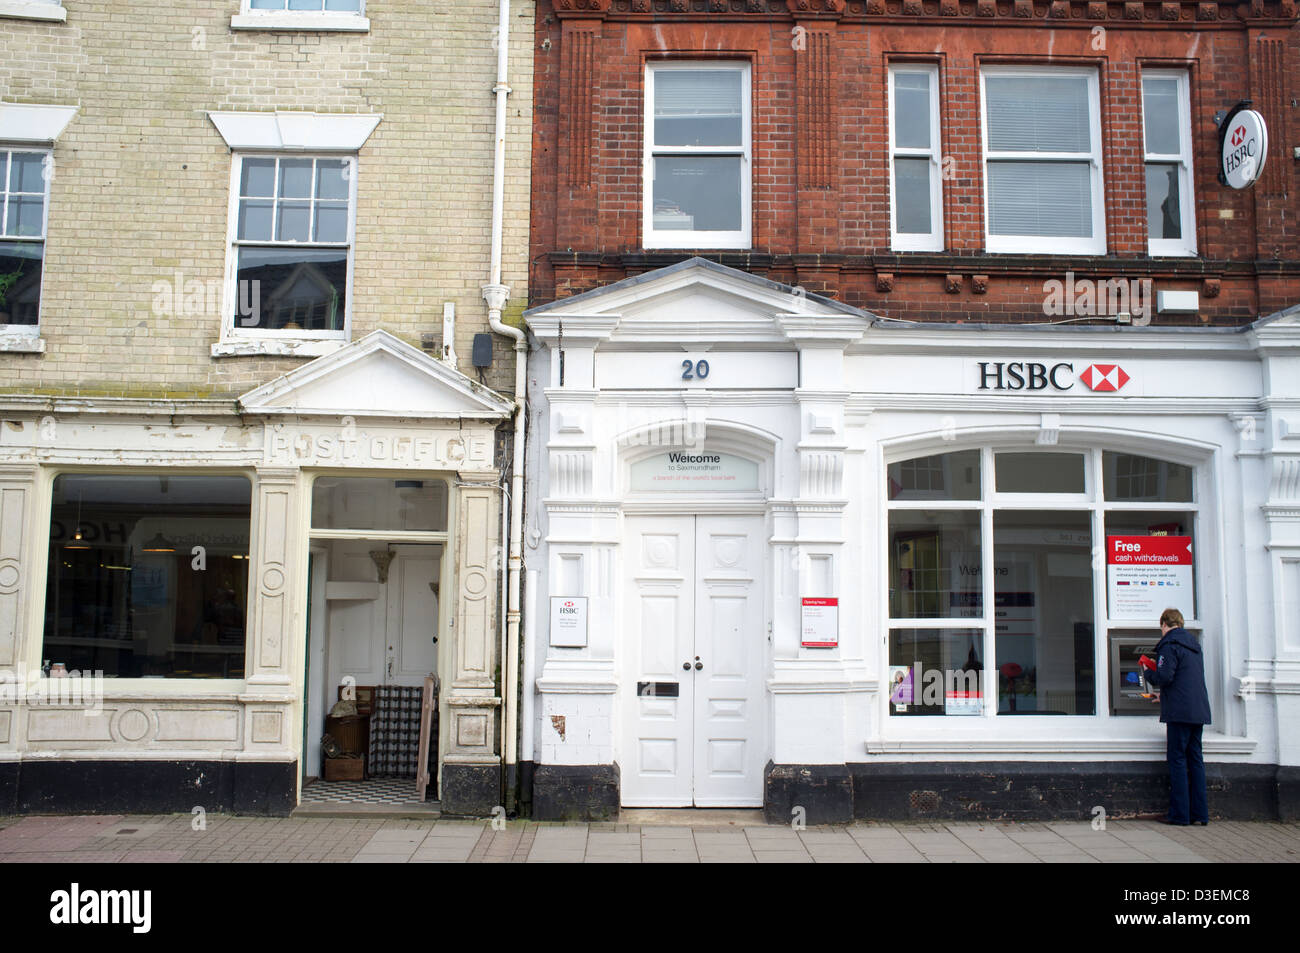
x=11, y=343
x=32, y=10
x=276, y=347
x=303, y=22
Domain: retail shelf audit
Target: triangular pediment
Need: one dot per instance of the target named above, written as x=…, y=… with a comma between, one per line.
x=695, y=301
x=377, y=376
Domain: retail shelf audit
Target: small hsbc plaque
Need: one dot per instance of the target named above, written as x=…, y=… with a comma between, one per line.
x=819, y=623
x=569, y=622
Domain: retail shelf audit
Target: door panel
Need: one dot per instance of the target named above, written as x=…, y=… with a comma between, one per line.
x=658, y=621
x=412, y=614
x=729, y=639
x=693, y=588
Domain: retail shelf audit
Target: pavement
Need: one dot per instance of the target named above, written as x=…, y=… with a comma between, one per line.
x=639, y=837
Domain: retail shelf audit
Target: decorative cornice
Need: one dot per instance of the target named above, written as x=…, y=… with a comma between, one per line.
x=1085, y=13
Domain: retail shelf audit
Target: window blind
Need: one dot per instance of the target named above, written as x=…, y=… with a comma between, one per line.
x=1037, y=114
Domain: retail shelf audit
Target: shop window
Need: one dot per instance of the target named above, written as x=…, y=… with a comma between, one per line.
x=697, y=156
x=1039, y=644
x=1039, y=472
x=148, y=575
x=1167, y=138
x=916, y=203
x=291, y=244
x=378, y=503
x=24, y=194
x=1042, y=162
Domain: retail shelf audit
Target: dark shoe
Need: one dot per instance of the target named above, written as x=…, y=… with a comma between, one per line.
x=1202, y=823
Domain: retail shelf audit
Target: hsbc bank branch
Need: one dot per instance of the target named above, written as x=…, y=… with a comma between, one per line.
x=785, y=553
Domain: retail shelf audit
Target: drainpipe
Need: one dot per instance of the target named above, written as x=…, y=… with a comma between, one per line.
x=496, y=294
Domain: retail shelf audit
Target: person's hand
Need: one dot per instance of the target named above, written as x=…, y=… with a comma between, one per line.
x=1147, y=663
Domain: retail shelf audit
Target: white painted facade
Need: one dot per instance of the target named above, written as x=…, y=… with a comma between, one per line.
x=820, y=398
x=376, y=408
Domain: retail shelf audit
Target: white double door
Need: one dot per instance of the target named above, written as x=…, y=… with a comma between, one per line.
x=695, y=646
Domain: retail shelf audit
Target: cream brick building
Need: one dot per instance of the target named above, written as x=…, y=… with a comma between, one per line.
x=236, y=241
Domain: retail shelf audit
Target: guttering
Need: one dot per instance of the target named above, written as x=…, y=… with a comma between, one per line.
x=496, y=294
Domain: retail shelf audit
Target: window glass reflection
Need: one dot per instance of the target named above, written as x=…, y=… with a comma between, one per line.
x=1043, y=596
x=934, y=564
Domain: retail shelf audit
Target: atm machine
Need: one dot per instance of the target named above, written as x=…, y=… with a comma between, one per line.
x=1127, y=681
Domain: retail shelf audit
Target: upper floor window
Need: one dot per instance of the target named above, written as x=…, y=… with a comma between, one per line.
x=697, y=156
x=1042, y=161
x=1167, y=146
x=291, y=245
x=24, y=191
x=307, y=6
x=916, y=206
x=301, y=15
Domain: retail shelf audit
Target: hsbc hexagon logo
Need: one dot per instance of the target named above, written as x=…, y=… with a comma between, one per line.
x=1239, y=135
x=1104, y=377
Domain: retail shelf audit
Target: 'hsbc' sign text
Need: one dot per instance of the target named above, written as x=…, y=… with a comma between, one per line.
x=1035, y=376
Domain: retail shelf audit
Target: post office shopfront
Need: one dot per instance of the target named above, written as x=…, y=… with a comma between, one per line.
x=788, y=554
x=213, y=570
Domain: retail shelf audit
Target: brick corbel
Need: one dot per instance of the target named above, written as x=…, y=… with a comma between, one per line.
x=815, y=9
x=582, y=9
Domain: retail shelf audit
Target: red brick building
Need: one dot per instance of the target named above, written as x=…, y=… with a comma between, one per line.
x=816, y=161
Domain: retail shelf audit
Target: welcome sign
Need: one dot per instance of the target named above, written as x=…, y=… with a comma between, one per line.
x=694, y=471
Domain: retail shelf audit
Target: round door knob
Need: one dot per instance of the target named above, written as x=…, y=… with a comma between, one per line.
x=698, y=666
x=686, y=666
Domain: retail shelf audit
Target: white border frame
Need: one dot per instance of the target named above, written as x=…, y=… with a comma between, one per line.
x=1185, y=246
x=34, y=10
x=910, y=241
x=229, y=331
x=1034, y=244
x=342, y=21
x=31, y=332
x=675, y=238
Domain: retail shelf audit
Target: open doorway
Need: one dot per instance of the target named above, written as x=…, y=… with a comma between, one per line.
x=376, y=617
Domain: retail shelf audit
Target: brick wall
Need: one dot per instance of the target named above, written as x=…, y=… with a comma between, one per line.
x=821, y=216
x=142, y=178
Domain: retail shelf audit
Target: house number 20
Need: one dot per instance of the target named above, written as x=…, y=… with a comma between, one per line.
x=693, y=370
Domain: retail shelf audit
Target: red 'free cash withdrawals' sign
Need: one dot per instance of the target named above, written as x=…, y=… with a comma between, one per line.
x=1147, y=574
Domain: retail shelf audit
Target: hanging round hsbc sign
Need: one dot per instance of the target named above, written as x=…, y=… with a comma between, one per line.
x=1244, y=148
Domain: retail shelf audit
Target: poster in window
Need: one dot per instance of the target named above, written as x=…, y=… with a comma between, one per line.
x=1147, y=574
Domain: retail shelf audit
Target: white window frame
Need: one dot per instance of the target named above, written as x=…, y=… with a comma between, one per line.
x=1034, y=244
x=1094, y=503
x=909, y=241
x=675, y=238
x=346, y=21
x=13, y=334
x=230, y=332
x=1185, y=246
x=33, y=10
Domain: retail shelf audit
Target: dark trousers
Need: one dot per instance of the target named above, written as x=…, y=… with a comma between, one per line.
x=1187, y=800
